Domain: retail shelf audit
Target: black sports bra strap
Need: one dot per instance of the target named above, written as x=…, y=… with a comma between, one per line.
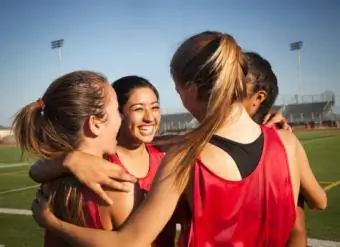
x=246, y=156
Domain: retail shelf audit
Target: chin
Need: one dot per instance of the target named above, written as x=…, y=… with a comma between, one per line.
x=146, y=139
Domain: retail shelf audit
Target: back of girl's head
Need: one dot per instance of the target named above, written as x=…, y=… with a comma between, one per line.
x=261, y=75
x=125, y=85
x=53, y=125
x=215, y=63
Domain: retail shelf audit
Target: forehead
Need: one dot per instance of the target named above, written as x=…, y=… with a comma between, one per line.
x=142, y=94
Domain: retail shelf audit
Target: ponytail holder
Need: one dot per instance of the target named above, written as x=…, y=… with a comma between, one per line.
x=41, y=105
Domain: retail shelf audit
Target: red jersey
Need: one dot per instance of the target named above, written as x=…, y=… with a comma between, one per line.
x=92, y=210
x=259, y=210
x=155, y=157
x=168, y=234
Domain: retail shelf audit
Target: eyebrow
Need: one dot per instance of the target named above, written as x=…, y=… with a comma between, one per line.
x=155, y=102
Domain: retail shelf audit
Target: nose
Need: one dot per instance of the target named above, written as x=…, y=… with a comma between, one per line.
x=148, y=116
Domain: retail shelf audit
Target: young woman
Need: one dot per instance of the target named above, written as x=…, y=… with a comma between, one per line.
x=138, y=103
x=139, y=107
x=262, y=91
x=78, y=111
x=230, y=203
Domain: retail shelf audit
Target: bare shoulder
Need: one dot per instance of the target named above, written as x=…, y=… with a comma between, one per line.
x=288, y=138
x=123, y=204
x=290, y=143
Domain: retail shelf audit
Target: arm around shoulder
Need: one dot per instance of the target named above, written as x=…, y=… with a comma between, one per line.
x=309, y=186
x=44, y=171
x=142, y=227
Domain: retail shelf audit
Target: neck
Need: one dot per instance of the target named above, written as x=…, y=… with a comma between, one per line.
x=90, y=149
x=238, y=120
x=236, y=115
x=135, y=152
x=126, y=145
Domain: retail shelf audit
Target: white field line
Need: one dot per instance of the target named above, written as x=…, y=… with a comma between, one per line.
x=3, y=166
x=311, y=242
x=332, y=185
x=18, y=189
x=15, y=211
x=322, y=243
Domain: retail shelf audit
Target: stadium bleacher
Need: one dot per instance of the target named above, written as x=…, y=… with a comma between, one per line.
x=314, y=113
x=305, y=112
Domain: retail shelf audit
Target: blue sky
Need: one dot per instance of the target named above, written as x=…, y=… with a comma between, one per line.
x=125, y=37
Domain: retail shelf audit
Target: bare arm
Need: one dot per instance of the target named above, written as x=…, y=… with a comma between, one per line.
x=141, y=228
x=298, y=237
x=308, y=185
x=44, y=171
x=113, y=216
x=90, y=170
x=314, y=194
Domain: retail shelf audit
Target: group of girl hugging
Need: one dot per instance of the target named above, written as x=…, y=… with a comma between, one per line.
x=240, y=178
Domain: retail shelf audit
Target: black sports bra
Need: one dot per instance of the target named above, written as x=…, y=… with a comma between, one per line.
x=246, y=156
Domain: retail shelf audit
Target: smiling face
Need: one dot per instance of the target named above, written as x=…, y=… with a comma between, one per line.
x=141, y=115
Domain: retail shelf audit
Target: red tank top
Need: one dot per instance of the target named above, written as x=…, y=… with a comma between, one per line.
x=91, y=201
x=155, y=157
x=167, y=237
x=256, y=211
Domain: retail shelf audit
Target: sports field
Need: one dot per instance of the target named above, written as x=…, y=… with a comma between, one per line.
x=17, y=191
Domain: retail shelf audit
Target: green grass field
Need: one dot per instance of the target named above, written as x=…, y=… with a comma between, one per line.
x=322, y=148
x=10, y=155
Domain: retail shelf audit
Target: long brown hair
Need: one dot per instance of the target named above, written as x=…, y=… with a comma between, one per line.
x=67, y=201
x=53, y=126
x=215, y=63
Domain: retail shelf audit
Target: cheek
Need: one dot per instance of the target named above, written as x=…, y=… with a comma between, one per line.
x=184, y=100
x=189, y=102
x=132, y=120
x=119, y=123
x=247, y=103
x=157, y=116
x=114, y=123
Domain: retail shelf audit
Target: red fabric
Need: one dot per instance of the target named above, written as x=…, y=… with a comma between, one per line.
x=256, y=211
x=167, y=237
x=155, y=159
x=91, y=210
x=91, y=202
x=92, y=219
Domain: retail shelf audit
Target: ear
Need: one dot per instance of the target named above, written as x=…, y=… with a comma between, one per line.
x=94, y=125
x=261, y=96
x=253, y=103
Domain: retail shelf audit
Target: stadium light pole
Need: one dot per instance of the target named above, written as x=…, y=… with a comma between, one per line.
x=58, y=44
x=297, y=46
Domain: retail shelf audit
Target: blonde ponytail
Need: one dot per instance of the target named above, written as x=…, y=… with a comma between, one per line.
x=225, y=69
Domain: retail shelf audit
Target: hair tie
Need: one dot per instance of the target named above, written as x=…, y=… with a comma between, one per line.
x=41, y=105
